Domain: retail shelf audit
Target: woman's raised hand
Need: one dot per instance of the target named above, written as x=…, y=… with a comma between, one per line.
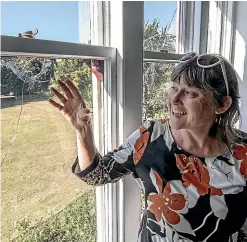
x=72, y=106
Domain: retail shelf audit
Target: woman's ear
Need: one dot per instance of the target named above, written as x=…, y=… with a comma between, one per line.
x=227, y=102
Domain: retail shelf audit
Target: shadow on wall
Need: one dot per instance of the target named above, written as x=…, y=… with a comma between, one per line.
x=239, y=53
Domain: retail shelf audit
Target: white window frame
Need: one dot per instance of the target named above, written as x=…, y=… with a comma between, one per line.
x=122, y=95
x=128, y=39
x=221, y=27
x=186, y=26
x=193, y=26
x=129, y=106
x=15, y=46
x=221, y=23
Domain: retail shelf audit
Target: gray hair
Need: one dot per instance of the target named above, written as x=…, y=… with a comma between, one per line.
x=212, y=80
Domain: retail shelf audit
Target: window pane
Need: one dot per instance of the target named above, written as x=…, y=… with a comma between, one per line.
x=67, y=21
x=156, y=84
x=41, y=199
x=160, y=26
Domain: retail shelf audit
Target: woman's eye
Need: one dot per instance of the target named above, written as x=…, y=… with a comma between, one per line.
x=191, y=94
x=174, y=88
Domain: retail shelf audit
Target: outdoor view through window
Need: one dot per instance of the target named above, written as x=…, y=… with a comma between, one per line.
x=41, y=199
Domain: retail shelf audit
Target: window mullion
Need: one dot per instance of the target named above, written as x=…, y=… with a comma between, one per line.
x=228, y=29
x=129, y=103
x=204, y=26
x=186, y=26
x=103, y=194
x=214, y=28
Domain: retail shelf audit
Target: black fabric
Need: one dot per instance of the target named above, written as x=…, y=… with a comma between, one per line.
x=187, y=198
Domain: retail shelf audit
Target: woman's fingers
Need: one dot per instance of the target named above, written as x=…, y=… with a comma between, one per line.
x=59, y=95
x=75, y=92
x=66, y=89
x=56, y=105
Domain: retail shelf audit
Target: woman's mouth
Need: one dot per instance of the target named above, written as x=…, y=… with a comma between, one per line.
x=178, y=113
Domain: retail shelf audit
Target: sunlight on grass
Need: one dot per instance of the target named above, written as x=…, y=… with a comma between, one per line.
x=36, y=173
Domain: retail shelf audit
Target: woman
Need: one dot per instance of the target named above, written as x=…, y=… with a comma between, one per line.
x=193, y=167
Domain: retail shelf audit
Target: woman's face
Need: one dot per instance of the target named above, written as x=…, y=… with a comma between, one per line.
x=190, y=107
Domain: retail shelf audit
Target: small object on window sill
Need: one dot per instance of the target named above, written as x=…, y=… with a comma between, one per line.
x=164, y=51
x=28, y=34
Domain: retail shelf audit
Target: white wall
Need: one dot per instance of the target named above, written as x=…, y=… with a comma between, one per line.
x=240, y=56
x=227, y=35
x=240, y=59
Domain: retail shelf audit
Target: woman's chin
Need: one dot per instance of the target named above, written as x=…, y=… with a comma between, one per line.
x=176, y=124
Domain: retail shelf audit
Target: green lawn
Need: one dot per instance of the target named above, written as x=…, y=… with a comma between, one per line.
x=36, y=173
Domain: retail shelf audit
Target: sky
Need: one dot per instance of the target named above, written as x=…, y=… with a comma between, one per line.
x=59, y=20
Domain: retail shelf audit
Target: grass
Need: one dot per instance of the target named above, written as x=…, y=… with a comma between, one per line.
x=74, y=223
x=36, y=173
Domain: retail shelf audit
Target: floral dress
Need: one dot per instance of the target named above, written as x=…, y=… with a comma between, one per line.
x=187, y=198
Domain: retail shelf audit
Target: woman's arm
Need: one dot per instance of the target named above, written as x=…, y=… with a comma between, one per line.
x=74, y=109
x=89, y=165
x=116, y=164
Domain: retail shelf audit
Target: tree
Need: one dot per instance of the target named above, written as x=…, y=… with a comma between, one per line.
x=34, y=76
x=25, y=75
x=79, y=72
x=157, y=38
x=156, y=75
x=10, y=83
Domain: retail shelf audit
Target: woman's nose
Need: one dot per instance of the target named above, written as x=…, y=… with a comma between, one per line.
x=176, y=97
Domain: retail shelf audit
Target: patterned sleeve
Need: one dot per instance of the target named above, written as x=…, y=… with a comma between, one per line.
x=240, y=153
x=118, y=163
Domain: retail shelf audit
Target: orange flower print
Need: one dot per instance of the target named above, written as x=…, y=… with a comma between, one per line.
x=195, y=172
x=141, y=144
x=165, y=203
x=240, y=153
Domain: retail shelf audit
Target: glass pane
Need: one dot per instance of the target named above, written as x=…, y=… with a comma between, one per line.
x=41, y=199
x=160, y=26
x=156, y=84
x=67, y=21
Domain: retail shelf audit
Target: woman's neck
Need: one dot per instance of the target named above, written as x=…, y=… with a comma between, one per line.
x=197, y=142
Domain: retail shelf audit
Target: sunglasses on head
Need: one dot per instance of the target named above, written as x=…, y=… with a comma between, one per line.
x=207, y=61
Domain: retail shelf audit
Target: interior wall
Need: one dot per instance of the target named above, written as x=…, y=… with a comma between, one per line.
x=240, y=57
x=227, y=35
